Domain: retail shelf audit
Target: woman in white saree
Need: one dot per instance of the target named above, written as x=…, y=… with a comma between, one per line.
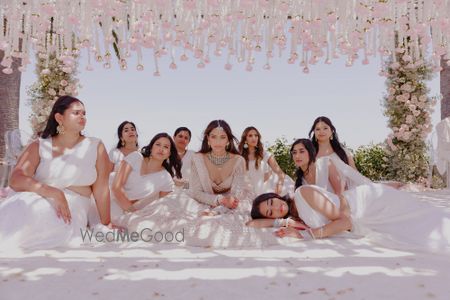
x=213, y=212
x=381, y=214
x=145, y=176
x=53, y=180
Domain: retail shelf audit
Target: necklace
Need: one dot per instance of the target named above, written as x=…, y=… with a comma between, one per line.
x=218, y=160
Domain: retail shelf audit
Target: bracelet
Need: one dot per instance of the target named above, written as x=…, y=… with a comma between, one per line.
x=311, y=233
x=320, y=232
x=279, y=222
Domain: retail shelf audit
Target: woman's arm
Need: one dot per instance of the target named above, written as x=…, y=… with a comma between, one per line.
x=22, y=181
x=196, y=189
x=118, y=186
x=339, y=221
x=163, y=194
x=260, y=223
x=100, y=188
x=277, y=170
x=335, y=179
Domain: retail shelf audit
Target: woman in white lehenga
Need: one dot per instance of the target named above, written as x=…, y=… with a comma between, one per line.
x=383, y=215
x=263, y=170
x=145, y=176
x=214, y=210
x=54, y=179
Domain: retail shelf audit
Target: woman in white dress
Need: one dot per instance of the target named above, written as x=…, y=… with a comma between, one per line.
x=381, y=214
x=53, y=180
x=264, y=172
x=145, y=176
x=128, y=143
x=182, y=138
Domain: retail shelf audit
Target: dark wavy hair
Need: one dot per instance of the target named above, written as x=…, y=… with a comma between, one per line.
x=255, y=212
x=259, y=152
x=335, y=144
x=174, y=163
x=312, y=158
x=60, y=106
x=120, y=132
x=232, y=140
x=180, y=129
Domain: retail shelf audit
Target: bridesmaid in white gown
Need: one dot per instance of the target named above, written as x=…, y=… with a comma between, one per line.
x=264, y=172
x=325, y=139
x=383, y=215
x=53, y=180
x=213, y=212
x=128, y=143
x=145, y=176
x=182, y=138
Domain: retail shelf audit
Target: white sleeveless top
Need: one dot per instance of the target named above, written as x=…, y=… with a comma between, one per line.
x=75, y=167
x=145, y=186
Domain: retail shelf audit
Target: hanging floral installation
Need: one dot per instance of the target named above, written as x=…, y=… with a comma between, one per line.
x=408, y=108
x=54, y=79
x=303, y=31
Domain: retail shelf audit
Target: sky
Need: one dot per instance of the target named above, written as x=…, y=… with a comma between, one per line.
x=281, y=102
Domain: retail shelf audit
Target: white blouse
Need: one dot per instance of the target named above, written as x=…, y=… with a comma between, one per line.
x=143, y=189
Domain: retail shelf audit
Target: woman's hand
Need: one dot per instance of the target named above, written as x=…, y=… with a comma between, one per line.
x=229, y=202
x=296, y=224
x=179, y=181
x=58, y=200
x=129, y=208
x=288, y=232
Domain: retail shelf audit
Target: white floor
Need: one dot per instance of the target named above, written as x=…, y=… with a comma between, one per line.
x=326, y=269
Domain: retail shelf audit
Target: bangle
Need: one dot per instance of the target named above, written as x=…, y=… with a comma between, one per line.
x=286, y=224
x=277, y=222
x=320, y=232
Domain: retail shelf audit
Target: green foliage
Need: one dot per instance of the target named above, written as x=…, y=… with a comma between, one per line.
x=281, y=150
x=372, y=162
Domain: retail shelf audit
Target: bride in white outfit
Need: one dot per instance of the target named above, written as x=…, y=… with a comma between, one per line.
x=382, y=214
x=53, y=180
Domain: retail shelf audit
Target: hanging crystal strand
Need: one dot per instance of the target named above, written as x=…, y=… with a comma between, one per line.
x=99, y=57
x=89, y=65
x=375, y=29
x=156, y=73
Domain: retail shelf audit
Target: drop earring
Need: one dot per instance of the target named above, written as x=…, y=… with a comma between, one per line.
x=60, y=129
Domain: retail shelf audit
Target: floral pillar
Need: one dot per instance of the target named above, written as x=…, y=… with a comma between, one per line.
x=408, y=109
